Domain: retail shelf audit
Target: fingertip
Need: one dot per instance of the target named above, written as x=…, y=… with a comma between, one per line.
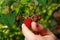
x=22, y=25
x=26, y=31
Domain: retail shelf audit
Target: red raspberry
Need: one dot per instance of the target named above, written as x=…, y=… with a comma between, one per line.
x=28, y=22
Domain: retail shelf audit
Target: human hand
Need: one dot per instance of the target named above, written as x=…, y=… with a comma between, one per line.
x=29, y=35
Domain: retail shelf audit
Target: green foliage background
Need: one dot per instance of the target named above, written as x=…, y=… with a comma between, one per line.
x=9, y=9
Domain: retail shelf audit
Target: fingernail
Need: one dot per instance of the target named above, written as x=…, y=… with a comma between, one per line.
x=23, y=25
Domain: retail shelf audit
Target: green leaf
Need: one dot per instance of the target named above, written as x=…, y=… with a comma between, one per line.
x=1, y=2
x=42, y=2
x=25, y=1
x=8, y=19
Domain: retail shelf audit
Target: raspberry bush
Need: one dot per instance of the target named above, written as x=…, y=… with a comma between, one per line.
x=12, y=13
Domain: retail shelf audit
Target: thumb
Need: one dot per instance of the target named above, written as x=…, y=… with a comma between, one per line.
x=26, y=32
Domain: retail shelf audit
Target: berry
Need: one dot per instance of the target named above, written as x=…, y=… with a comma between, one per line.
x=17, y=19
x=35, y=18
x=28, y=22
x=39, y=17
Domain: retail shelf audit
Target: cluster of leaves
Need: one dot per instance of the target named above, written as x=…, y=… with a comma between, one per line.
x=9, y=9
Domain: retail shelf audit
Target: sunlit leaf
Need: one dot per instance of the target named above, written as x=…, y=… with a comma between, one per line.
x=1, y=2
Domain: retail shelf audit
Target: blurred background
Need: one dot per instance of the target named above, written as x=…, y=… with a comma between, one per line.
x=12, y=13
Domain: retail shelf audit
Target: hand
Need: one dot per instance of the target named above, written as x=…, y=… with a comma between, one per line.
x=29, y=35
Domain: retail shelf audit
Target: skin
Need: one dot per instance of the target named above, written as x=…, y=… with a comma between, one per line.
x=36, y=27
x=29, y=35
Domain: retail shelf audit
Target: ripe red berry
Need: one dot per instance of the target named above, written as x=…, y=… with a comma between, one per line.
x=28, y=22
